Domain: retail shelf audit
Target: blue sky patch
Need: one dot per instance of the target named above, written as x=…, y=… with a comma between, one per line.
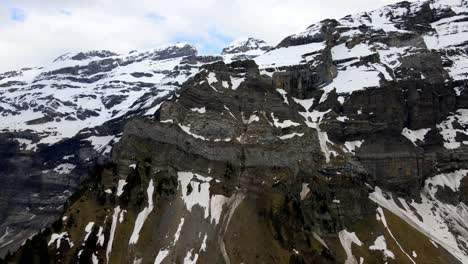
x=17, y=14
x=211, y=43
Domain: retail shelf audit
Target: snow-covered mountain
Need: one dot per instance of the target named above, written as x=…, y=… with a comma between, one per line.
x=75, y=108
x=346, y=143
x=245, y=48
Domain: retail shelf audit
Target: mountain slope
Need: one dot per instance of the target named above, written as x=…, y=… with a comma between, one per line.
x=343, y=144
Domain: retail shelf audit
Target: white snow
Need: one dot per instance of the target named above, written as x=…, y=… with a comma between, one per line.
x=293, y=55
x=341, y=52
x=88, y=229
x=200, y=190
x=100, y=236
x=121, y=184
x=351, y=146
x=26, y=144
x=342, y=118
x=451, y=180
x=162, y=254
x=415, y=135
x=449, y=132
x=186, y=129
x=112, y=232
x=190, y=258
x=346, y=81
x=203, y=246
x=60, y=94
x=65, y=168
x=347, y=239
x=431, y=217
x=212, y=78
x=212, y=206
x=236, y=82
x=179, y=230
x=313, y=120
x=283, y=124
x=200, y=110
x=289, y=136
x=459, y=69
x=283, y=94
x=143, y=215
x=381, y=245
x=381, y=217
x=57, y=238
x=100, y=142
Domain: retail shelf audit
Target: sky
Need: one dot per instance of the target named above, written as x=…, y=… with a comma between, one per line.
x=35, y=32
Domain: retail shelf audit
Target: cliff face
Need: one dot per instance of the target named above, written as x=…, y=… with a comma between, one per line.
x=344, y=144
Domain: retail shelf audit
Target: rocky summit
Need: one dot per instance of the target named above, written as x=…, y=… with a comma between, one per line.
x=346, y=143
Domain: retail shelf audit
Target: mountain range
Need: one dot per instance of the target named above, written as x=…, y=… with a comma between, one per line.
x=345, y=143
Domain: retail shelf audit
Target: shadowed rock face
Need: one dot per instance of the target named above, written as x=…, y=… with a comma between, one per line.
x=345, y=143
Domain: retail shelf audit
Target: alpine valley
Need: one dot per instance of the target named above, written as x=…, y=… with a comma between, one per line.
x=346, y=143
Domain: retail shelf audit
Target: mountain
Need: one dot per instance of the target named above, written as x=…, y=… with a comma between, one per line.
x=346, y=143
x=243, y=49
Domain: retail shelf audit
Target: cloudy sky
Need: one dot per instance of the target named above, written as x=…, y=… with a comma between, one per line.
x=34, y=32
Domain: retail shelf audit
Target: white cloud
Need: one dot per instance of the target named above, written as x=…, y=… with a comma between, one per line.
x=54, y=27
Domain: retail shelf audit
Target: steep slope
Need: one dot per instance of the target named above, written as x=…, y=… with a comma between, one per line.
x=42, y=109
x=58, y=121
x=343, y=144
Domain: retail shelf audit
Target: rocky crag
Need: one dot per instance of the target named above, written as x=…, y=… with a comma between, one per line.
x=346, y=143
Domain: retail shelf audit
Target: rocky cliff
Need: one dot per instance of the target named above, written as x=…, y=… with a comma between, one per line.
x=345, y=143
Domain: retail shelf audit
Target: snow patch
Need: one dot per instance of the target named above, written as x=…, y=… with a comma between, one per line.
x=351, y=146
x=415, y=135
x=141, y=218
x=347, y=239
x=381, y=245
x=121, y=184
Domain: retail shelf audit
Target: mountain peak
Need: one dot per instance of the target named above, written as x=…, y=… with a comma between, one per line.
x=244, y=45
